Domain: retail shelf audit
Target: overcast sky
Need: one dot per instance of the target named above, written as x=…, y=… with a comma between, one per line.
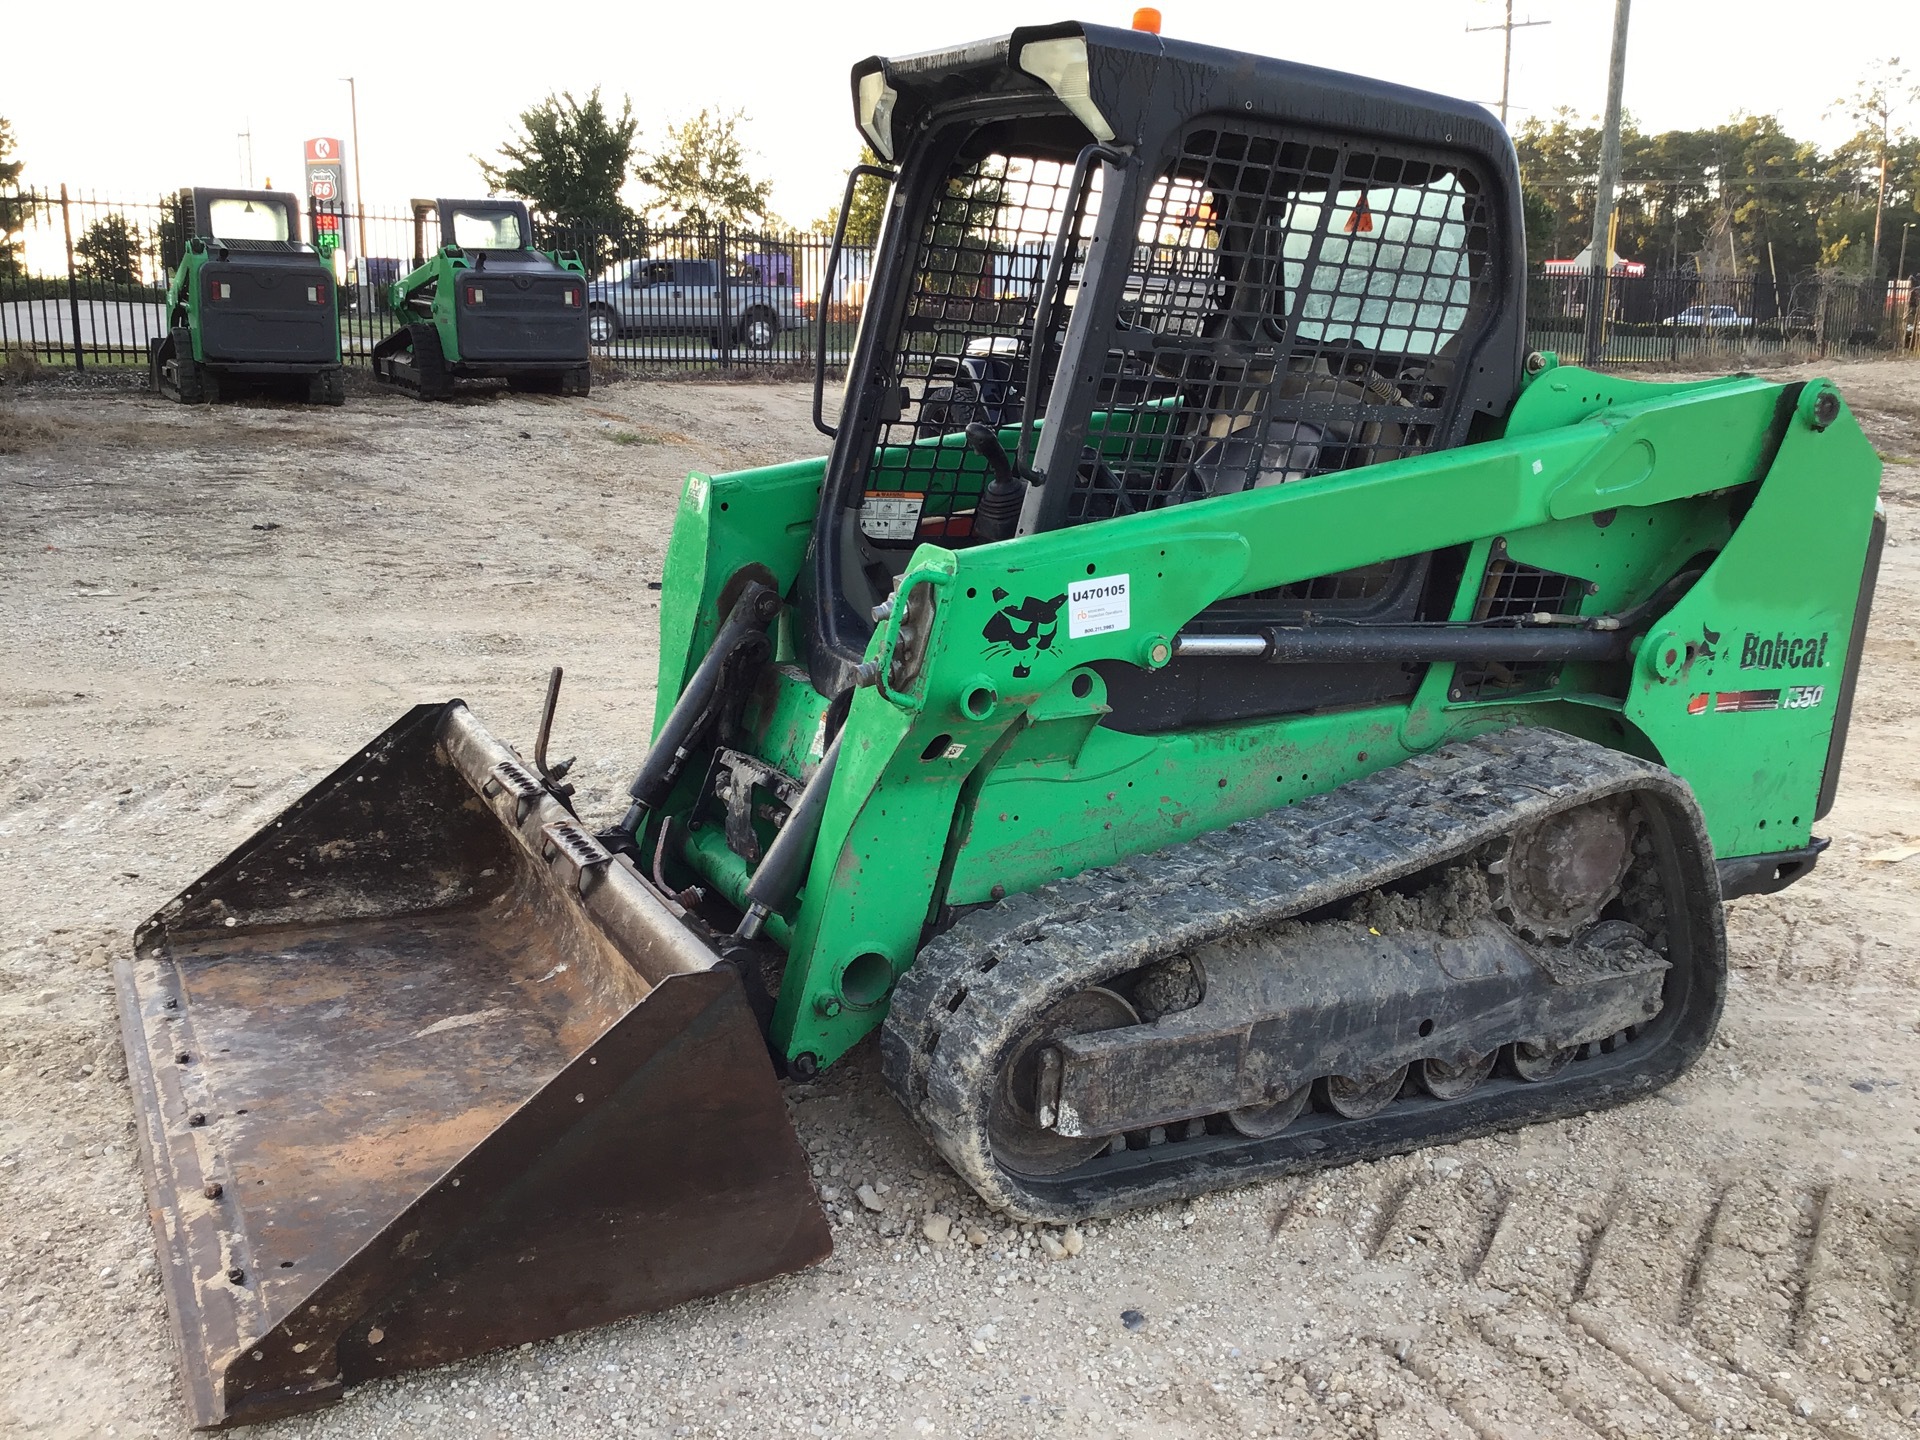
x=150, y=99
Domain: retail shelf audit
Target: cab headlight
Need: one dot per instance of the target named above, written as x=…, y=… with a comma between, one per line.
x=876, y=102
x=1061, y=65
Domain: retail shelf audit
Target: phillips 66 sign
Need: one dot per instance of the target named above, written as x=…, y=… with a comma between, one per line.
x=326, y=187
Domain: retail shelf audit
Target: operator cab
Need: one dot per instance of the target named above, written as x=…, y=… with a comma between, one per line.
x=245, y=219
x=1161, y=273
x=487, y=230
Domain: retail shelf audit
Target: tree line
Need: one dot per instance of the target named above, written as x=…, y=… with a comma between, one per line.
x=1742, y=197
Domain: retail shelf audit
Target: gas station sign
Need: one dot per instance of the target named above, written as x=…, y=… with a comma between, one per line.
x=326, y=192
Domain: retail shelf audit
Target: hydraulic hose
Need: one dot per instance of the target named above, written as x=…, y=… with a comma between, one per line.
x=756, y=606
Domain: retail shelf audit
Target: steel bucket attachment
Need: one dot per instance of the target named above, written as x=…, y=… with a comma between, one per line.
x=422, y=1071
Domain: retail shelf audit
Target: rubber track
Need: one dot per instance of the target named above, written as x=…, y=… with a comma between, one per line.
x=976, y=987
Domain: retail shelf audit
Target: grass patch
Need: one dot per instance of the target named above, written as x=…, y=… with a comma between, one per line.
x=20, y=434
x=644, y=435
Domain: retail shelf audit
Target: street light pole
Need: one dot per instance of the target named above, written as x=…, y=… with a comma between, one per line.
x=1900, y=270
x=359, y=196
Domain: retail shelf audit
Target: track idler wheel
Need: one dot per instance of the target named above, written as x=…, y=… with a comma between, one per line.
x=1449, y=1082
x=1270, y=1117
x=1558, y=875
x=1018, y=1134
x=1534, y=1062
x=1353, y=1099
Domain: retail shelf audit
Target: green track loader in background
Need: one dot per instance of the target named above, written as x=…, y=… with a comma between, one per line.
x=1221, y=708
x=485, y=304
x=249, y=302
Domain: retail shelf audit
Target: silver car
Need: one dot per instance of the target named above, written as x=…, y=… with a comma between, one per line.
x=683, y=297
x=1709, y=317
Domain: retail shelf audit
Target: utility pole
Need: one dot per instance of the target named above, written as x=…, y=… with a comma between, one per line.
x=359, y=197
x=1600, y=252
x=1879, y=203
x=245, y=137
x=1509, y=25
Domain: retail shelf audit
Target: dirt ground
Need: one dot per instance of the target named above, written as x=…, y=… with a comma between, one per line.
x=204, y=611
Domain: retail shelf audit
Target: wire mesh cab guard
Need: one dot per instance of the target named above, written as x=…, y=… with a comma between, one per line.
x=1277, y=272
x=1295, y=302
x=1305, y=298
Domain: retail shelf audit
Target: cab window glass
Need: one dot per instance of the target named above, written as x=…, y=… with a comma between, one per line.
x=492, y=230
x=1392, y=270
x=236, y=219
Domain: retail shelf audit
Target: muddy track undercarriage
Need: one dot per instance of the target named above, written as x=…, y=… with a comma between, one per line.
x=1511, y=929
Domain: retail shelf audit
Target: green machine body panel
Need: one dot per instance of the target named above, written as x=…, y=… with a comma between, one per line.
x=992, y=773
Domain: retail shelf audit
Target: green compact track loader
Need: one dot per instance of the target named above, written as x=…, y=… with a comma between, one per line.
x=1223, y=707
x=249, y=302
x=484, y=304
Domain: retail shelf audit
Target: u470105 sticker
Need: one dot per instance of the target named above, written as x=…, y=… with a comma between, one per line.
x=1098, y=607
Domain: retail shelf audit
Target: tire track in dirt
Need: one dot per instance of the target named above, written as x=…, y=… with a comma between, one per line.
x=1662, y=1305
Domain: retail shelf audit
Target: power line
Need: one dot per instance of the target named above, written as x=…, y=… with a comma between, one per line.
x=1735, y=182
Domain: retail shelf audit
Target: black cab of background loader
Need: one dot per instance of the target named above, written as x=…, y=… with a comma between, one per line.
x=483, y=303
x=248, y=300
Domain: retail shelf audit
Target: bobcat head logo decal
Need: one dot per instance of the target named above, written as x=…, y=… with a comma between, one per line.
x=1031, y=625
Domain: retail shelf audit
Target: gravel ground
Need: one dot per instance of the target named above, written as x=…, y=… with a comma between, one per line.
x=206, y=610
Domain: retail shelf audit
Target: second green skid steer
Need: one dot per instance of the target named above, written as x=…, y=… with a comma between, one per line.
x=1222, y=708
x=484, y=303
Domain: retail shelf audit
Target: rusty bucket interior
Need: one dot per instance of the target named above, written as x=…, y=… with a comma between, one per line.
x=421, y=1071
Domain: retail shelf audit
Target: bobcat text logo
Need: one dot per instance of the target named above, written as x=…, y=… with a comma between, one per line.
x=1783, y=652
x=1033, y=624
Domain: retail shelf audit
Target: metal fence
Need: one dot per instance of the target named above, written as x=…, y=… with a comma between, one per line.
x=83, y=282
x=1713, y=320
x=81, y=277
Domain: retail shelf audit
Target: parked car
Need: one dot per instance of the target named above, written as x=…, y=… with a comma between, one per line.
x=1710, y=317
x=683, y=297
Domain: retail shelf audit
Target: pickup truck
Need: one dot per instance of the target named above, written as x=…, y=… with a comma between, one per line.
x=682, y=297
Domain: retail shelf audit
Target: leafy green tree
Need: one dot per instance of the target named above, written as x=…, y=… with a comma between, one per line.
x=1536, y=208
x=1560, y=162
x=1875, y=105
x=1773, y=189
x=569, y=160
x=109, y=250
x=15, y=209
x=864, y=215
x=700, y=176
x=1713, y=199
